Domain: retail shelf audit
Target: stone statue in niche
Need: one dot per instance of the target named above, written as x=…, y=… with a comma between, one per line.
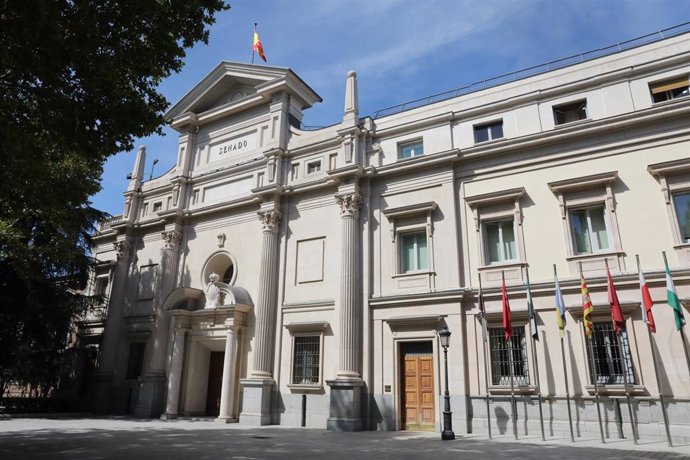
x=212, y=291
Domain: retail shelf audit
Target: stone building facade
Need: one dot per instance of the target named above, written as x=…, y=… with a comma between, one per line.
x=282, y=276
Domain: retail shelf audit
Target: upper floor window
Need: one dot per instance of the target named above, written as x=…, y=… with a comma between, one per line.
x=681, y=202
x=313, y=167
x=589, y=229
x=157, y=206
x=411, y=149
x=488, y=132
x=670, y=89
x=413, y=252
x=500, y=241
x=570, y=112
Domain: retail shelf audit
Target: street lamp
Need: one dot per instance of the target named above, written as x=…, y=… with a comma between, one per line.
x=447, y=434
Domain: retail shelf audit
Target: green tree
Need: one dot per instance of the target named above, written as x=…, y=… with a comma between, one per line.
x=78, y=83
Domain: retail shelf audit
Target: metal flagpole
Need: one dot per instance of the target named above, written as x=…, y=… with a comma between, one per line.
x=595, y=375
x=512, y=384
x=652, y=346
x=532, y=318
x=621, y=351
x=486, y=363
x=253, y=35
x=565, y=373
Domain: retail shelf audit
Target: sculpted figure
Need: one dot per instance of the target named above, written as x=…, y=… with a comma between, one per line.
x=212, y=291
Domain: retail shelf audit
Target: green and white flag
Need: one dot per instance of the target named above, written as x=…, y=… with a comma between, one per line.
x=672, y=298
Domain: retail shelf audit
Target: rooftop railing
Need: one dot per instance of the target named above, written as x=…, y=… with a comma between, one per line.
x=105, y=224
x=536, y=70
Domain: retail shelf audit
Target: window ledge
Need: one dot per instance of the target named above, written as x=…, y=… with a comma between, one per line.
x=490, y=141
x=503, y=265
x=416, y=273
x=518, y=389
x=617, y=389
x=305, y=388
x=572, y=123
x=595, y=255
x=682, y=246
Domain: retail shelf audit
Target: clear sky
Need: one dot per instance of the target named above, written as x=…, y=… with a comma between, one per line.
x=401, y=49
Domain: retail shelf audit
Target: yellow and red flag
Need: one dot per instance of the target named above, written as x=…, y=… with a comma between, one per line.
x=587, y=307
x=256, y=45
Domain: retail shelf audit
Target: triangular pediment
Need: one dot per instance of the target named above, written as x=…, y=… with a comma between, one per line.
x=232, y=86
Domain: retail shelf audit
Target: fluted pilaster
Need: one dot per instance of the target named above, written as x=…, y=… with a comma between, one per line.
x=227, y=395
x=175, y=378
x=266, y=301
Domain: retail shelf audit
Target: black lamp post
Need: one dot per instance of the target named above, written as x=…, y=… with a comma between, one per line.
x=447, y=434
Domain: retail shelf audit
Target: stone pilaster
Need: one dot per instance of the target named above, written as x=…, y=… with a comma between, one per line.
x=175, y=378
x=346, y=389
x=227, y=395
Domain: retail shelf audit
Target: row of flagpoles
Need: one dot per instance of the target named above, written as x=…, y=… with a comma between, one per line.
x=618, y=322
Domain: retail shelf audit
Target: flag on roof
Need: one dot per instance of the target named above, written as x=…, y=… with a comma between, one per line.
x=257, y=46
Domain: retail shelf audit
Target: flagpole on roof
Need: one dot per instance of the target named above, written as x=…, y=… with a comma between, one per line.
x=652, y=346
x=559, y=303
x=534, y=334
x=482, y=311
x=253, y=35
x=617, y=315
x=508, y=328
x=587, y=325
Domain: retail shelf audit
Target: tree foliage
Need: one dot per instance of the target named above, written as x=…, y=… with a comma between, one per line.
x=78, y=83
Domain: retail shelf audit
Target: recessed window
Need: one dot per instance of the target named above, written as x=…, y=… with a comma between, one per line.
x=589, y=230
x=568, y=113
x=157, y=206
x=608, y=363
x=681, y=203
x=670, y=89
x=488, y=132
x=413, y=252
x=501, y=360
x=135, y=361
x=145, y=210
x=500, y=241
x=313, y=167
x=306, y=360
x=412, y=149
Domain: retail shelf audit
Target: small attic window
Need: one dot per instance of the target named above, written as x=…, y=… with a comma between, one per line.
x=294, y=122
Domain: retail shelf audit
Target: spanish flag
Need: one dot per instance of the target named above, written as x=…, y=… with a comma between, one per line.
x=256, y=46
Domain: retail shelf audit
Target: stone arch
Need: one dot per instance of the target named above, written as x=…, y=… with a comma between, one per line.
x=224, y=264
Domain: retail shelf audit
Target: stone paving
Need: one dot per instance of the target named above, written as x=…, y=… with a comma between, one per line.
x=123, y=438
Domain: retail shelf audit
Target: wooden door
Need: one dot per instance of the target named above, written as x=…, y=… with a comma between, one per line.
x=215, y=383
x=418, y=397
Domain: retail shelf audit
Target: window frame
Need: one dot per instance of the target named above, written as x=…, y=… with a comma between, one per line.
x=157, y=206
x=488, y=125
x=414, y=218
x=403, y=145
x=590, y=238
x=667, y=85
x=311, y=163
x=576, y=106
x=418, y=234
x=523, y=380
x=306, y=329
x=611, y=361
x=502, y=258
x=674, y=178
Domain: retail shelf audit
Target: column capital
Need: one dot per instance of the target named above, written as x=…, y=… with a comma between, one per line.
x=171, y=238
x=122, y=249
x=349, y=203
x=270, y=220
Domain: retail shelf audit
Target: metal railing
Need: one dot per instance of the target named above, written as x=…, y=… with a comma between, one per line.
x=536, y=70
x=105, y=224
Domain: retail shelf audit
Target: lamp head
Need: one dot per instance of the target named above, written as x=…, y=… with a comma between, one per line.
x=444, y=336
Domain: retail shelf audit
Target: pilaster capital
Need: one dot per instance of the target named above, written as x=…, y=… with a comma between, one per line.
x=270, y=220
x=122, y=249
x=349, y=203
x=171, y=238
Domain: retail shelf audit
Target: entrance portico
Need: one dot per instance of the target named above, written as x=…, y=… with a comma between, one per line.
x=204, y=335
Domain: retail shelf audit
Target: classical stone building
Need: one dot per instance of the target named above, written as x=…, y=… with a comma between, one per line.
x=277, y=275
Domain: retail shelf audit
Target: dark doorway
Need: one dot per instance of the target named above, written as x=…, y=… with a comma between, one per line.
x=215, y=383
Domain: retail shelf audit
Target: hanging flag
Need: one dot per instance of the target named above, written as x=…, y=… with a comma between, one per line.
x=532, y=314
x=587, y=307
x=256, y=45
x=560, y=307
x=506, y=313
x=616, y=313
x=672, y=298
x=647, y=302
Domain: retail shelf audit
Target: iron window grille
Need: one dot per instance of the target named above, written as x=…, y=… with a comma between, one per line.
x=500, y=359
x=607, y=358
x=306, y=360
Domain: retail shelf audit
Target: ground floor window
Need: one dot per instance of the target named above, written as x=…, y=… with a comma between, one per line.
x=500, y=359
x=608, y=363
x=306, y=360
x=135, y=361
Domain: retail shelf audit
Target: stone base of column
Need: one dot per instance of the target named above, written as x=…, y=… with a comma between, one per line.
x=226, y=420
x=151, y=402
x=167, y=416
x=102, y=393
x=256, y=402
x=346, y=405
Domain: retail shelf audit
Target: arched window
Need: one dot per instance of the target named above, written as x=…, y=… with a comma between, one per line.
x=227, y=276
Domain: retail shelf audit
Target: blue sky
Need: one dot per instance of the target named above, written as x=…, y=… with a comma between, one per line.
x=401, y=50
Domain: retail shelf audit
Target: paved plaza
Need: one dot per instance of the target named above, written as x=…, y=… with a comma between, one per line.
x=123, y=438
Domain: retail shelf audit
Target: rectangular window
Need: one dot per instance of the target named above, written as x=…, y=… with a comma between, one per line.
x=670, y=89
x=157, y=206
x=413, y=252
x=135, y=361
x=588, y=229
x=681, y=202
x=145, y=210
x=500, y=241
x=500, y=359
x=412, y=149
x=306, y=360
x=607, y=357
x=313, y=167
x=488, y=132
x=568, y=113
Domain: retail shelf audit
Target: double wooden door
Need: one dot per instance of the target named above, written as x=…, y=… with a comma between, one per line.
x=418, y=397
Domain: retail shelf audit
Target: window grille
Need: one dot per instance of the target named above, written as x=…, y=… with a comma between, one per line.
x=306, y=360
x=500, y=360
x=607, y=357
